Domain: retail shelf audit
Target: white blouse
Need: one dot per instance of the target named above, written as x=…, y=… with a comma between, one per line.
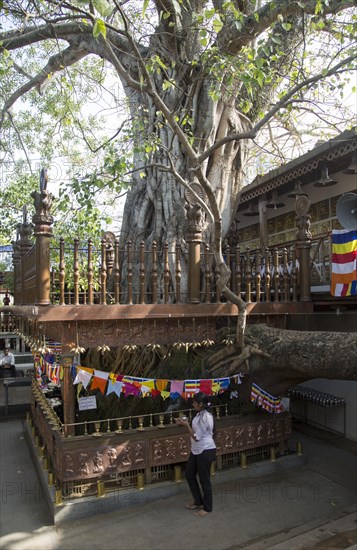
x=202, y=426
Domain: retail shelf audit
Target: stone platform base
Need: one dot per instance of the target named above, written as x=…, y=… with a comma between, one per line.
x=77, y=508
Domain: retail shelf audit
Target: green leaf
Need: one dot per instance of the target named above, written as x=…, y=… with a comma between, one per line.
x=160, y=62
x=286, y=26
x=217, y=24
x=145, y=5
x=259, y=76
x=167, y=84
x=209, y=13
x=103, y=7
x=99, y=28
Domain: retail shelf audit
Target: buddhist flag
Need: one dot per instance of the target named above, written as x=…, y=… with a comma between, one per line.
x=192, y=387
x=343, y=266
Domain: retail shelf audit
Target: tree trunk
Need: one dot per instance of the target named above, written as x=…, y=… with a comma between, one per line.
x=155, y=207
x=277, y=359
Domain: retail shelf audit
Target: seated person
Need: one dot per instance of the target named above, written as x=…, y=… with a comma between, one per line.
x=7, y=361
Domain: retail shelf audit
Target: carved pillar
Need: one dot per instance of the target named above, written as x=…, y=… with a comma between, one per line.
x=303, y=246
x=194, y=240
x=23, y=244
x=43, y=232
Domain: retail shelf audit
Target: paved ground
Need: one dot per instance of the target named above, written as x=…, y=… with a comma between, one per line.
x=313, y=506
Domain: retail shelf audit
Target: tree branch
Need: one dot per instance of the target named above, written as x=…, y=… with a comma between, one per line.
x=231, y=40
x=55, y=64
x=279, y=105
x=20, y=140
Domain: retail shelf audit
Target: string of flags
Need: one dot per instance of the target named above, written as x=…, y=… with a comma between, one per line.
x=120, y=384
x=109, y=383
x=46, y=364
x=265, y=400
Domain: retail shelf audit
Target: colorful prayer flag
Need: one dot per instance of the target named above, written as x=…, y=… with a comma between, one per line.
x=114, y=386
x=206, y=386
x=191, y=387
x=344, y=262
x=84, y=377
x=265, y=400
x=99, y=383
x=176, y=388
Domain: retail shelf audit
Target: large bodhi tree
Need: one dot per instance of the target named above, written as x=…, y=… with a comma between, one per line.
x=201, y=80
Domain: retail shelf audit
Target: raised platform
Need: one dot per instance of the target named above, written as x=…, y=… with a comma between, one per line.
x=76, y=508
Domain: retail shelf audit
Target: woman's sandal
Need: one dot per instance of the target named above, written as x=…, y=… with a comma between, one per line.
x=191, y=506
x=200, y=513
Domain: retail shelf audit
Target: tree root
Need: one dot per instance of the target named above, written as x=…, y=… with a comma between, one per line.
x=237, y=362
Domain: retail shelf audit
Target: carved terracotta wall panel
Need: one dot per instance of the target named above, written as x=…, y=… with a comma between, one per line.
x=78, y=459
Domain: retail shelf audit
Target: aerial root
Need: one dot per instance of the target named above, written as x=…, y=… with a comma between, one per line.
x=237, y=362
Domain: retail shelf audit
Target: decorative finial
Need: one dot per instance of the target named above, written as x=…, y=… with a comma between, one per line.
x=24, y=214
x=43, y=179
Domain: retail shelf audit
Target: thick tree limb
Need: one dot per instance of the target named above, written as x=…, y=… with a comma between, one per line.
x=55, y=64
x=231, y=39
x=285, y=358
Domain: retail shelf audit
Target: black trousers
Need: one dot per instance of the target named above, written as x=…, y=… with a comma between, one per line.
x=201, y=465
x=4, y=371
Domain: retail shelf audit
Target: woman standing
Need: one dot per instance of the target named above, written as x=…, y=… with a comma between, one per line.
x=203, y=453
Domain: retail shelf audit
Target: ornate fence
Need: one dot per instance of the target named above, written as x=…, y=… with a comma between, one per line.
x=116, y=453
x=77, y=273
x=93, y=275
